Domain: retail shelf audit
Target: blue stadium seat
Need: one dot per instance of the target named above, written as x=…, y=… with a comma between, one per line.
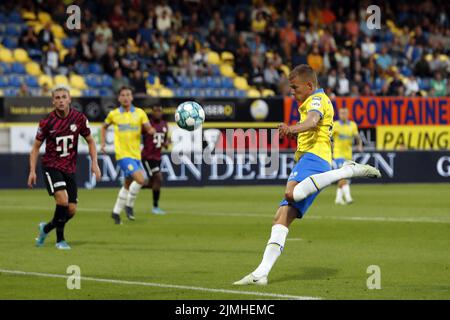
x=31, y=82
x=240, y=93
x=4, y=82
x=424, y=83
x=11, y=92
x=106, y=92
x=406, y=71
x=10, y=42
x=13, y=30
x=3, y=18
x=18, y=68
x=81, y=68
x=15, y=80
x=68, y=42
x=194, y=92
x=35, y=54
x=93, y=80
x=185, y=82
x=170, y=83
x=178, y=92
x=215, y=70
x=15, y=17
x=227, y=83
x=5, y=67
x=106, y=80
x=91, y=92
x=151, y=79
x=95, y=68
x=196, y=83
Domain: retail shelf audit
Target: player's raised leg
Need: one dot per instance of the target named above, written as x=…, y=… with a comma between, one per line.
x=317, y=182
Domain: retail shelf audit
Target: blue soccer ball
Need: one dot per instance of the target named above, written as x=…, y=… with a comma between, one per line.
x=189, y=115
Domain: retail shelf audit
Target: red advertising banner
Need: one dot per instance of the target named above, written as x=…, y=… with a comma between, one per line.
x=372, y=111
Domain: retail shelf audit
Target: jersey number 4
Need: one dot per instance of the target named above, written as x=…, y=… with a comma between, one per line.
x=64, y=144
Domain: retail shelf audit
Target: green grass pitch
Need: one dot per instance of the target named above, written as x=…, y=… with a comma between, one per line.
x=213, y=236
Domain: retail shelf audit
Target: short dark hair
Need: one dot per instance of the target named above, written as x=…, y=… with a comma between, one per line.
x=125, y=88
x=304, y=72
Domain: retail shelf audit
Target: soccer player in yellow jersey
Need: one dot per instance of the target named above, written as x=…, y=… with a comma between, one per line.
x=128, y=122
x=344, y=131
x=312, y=171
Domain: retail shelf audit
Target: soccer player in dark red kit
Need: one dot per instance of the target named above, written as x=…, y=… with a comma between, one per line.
x=60, y=130
x=151, y=154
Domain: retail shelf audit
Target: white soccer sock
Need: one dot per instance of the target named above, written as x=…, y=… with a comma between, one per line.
x=319, y=181
x=134, y=190
x=121, y=201
x=338, y=194
x=273, y=250
x=346, y=191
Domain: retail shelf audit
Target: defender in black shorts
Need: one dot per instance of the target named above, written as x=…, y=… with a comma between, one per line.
x=60, y=130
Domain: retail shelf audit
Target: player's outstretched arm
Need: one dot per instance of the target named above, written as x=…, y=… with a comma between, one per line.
x=93, y=153
x=33, y=161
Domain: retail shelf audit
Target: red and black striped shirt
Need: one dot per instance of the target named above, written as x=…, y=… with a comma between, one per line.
x=61, y=139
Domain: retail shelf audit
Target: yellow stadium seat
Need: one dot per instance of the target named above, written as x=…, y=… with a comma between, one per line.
x=240, y=83
x=269, y=55
x=76, y=81
x=20, y=55
x=1, y=93
x=6, y=55
x=58, y=31
x=44, y=17
x=45, y=79
x=37, y=27
x=253, y=93
x=28, y=15
x=75, y=92
x=285, y=69
x=165, y=93
x=227, y=56
x=32, y=68
x=429, y=57
x=60, y=80
x=268, y=93
x=226, y=70
x=213, y=57
x=62, y=54
x=152, y=92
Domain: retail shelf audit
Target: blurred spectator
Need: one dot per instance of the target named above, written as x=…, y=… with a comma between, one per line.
x=70, y=59
x=45, y=90
x=315, y=59
x=242, y=62
x=84, y=51
x=177, y=21
x=332, y=79
x=200, y=61
x=51, y=61
x=422, y=68
x=110, y=60
x=439, y=85
x=412, y=86
x=23, y=90
x=217, y=39
x=343, y=85
x=413, y=52
x=258, y=48
x=231, y=38
x=117, y=18
x=259, y=23
x=45, y=36
x=191, y=45
x=256, y=74
x=367, y=91
x=28, y=39
x=216, y=22
x=384, y=60
x=99, y=46
x=185, y=65
x=129, y=62
x=271, y=77
x=119, y=81
x=352, y=26
x=299, y=57
x=368, y=48
x=396, y=86
x=145, y=33
x=164, y=21
x=104, y=29
x=138, y=83
x=354, y=91
x=241, y=22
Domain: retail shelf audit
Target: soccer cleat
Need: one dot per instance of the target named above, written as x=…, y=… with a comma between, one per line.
x=362, y=170
x=116, y=218
x=341, y=202
x=42, y=235
x=251, y=279
x=62, y=245
x=129, y=212
x=158, y=210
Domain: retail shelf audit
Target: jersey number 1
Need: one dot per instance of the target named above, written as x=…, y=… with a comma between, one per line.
x=67, y=143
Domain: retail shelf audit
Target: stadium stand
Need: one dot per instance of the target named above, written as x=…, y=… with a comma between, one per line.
x=234, y=48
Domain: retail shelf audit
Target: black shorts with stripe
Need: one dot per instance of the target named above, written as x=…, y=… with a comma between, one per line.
x=151, y=167
x=56, y=180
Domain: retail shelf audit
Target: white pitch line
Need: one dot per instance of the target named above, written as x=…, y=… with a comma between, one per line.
x=239, y=214
x=162, y=285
